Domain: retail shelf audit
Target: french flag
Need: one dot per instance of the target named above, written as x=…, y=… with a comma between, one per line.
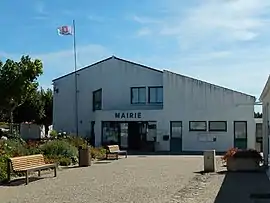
x=64, y=30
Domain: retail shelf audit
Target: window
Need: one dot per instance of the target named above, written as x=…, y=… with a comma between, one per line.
x=176, y=129
x=138, y=95
x=155, y=95
x=111, y=133
x=218, y=126
x=197, y=125
x=258, y=130
x=240, y=129
x=97, y=99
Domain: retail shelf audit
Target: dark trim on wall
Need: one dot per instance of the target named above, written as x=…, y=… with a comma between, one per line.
x=218, y=130
x=198, y=130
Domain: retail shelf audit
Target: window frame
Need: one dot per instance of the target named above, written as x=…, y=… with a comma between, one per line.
x=94, y=102
x=202, y=130
x=217, y=130
x=131, y=95
x=149, y=98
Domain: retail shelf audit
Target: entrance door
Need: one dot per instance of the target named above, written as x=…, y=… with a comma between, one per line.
x=240, y=134
x=176, y=136
x=134, y=138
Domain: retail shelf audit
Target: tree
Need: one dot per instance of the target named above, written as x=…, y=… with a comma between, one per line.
x=38, y=108
x=32, y=110
x=18, y=81
x=257, y=115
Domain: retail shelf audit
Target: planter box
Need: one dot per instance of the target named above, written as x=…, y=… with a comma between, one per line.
x=84, y=157
x=243, y=164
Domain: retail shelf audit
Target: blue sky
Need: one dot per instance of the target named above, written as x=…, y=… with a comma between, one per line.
x=226, y=42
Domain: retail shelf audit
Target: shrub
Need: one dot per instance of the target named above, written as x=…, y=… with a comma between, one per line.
x=53, y=134
x=242, y=153
x=76, y=141
x=56, y=149
x=14, y=148
x=250, y=153
x=98, y=153
x=64, y=161
x=229, y=153
x=3, y=168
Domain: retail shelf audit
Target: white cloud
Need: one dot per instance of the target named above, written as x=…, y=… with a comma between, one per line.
x=96, y=18
x=231, y=20
x=220, y=41
x=144, y=32
x=238, y=20
x=40, y=9
x=145, y=20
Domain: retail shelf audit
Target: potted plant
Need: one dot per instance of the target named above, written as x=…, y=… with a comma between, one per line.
x=242, y=160
x=84, y=155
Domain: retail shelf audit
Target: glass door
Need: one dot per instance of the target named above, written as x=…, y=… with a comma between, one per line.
x=176, y=136
x=240, y=134
x=124, y=135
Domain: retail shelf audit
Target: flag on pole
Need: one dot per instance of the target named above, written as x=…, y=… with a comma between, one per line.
x=64, y=30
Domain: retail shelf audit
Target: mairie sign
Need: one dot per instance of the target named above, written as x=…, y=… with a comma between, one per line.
x=128, y=115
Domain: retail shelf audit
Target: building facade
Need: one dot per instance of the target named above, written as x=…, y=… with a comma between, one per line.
x=141, y=108
x=265, y=99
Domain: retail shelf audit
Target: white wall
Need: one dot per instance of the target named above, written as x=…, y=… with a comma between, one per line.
x=115, y=77
x=187, y=99
x=32, y=131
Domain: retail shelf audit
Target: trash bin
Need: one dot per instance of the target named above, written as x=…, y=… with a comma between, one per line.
x=209, y=160
x=84, y=157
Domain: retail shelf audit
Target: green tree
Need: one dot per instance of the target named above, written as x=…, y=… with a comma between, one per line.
x=257, y=115
x=18, y=81
x=37, y=108
x=32, y=110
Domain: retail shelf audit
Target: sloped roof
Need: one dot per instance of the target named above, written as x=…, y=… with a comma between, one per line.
x=213, y=85
x=153, y=69
x=107, y=59
x=265, y=89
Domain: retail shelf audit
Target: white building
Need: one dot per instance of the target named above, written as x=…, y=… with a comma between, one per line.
x=265, y=99
x=142, y=108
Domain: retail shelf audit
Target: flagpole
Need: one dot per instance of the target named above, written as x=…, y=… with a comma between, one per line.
x=75, y=70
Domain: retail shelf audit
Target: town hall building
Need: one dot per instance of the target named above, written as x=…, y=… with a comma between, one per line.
x=116, y=101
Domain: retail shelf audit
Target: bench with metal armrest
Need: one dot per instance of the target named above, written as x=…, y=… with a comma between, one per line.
x=27, y=164
x=115, y=151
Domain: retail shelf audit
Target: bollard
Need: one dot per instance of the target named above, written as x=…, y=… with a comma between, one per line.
x=209, y=160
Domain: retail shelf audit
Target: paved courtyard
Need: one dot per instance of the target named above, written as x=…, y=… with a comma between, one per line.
x=135, y=179
x=139, y=179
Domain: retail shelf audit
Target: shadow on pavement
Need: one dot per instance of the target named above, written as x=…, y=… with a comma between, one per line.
x=244, y=187
x=20, y=181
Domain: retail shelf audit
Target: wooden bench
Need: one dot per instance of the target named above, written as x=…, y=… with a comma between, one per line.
x=27, y=164
x=115, y=151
